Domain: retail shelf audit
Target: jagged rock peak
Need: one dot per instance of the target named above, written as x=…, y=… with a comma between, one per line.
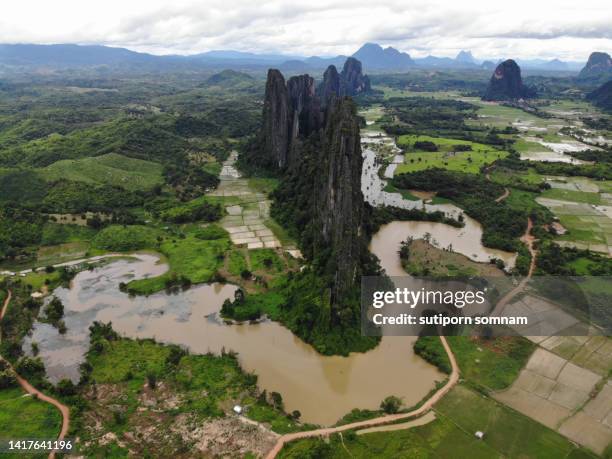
x=330, y=87
x=295, y=109
x=276, y=119
x=506, y=83
x=304, y=107
x=352, y=77
x=339, y=200
x=291, y=110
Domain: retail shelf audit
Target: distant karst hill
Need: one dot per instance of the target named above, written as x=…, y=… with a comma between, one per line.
x=466, y=57
x=350, y=82
x=602, y=97
x=506, y=83
x=599, y=64
x=229, y=78
x=373, y=56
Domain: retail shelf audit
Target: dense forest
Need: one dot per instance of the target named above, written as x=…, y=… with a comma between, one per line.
x=113, y=150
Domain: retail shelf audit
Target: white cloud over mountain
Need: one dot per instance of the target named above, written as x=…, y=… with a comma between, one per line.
x=520, y=28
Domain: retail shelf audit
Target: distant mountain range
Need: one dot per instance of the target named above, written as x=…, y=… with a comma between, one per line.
x=374, y=58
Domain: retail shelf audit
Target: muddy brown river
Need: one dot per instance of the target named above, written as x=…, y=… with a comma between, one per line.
x=323, y=388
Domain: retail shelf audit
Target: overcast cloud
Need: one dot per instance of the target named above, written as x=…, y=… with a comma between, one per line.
x=569, y=30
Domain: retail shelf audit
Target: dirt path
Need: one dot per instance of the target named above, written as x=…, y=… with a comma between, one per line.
x=528, y=239
x=26, y=386
x=452, y=380
x=506, y=190
x=7, y=300
x=503, y=196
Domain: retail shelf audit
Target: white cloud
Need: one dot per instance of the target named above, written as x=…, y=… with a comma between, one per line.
x=521, y=28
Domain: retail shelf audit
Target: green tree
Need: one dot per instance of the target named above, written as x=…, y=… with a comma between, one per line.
x=391, y=404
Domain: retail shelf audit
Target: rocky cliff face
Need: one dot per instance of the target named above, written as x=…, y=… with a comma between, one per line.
x=293, y=110
x=276, y=120
x=330, y=87
x=339, y=201
x=350, y=82
x=507, y=84
x=313, y=138
x=354, y=82
x=598, y=64
x=304, y=108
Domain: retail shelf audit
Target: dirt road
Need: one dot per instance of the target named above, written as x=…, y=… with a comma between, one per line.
x=454, y=377
x=7, y=300
x=503, y=196
x=528, y=239
x=26, y=386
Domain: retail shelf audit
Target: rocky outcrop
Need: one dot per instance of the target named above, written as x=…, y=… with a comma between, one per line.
x=339, y=201
x=507, y=84
x=330, y=87
x=304, y=107
x=350, y=82
x=276, y=120
x=353, y=81
x=314, y=140
x=293, y=110
x=599, y=64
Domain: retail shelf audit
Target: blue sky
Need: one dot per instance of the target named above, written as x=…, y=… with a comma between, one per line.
x=568, y=30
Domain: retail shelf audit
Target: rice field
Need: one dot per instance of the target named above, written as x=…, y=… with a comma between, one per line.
x=446, y=157
x=587, y=215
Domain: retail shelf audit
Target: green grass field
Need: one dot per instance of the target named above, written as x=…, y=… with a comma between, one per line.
x=25, y=417
x=572, y=195
x=110, y=169
x=190, y=257
x=508, y=432
x=508, y=177
x=393, y=92
x=123, y=238
x=587, y=227
x=499, y=115
x=446, y=157
x=488, y=364
x=458, y=416
x=236, y=262
x=526, y=146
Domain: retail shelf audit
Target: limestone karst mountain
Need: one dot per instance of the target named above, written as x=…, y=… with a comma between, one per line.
x=465, y=57
x=599, y=64
x=352, y=79
x=506, y=83
x=312, y=140
x=373, y=56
